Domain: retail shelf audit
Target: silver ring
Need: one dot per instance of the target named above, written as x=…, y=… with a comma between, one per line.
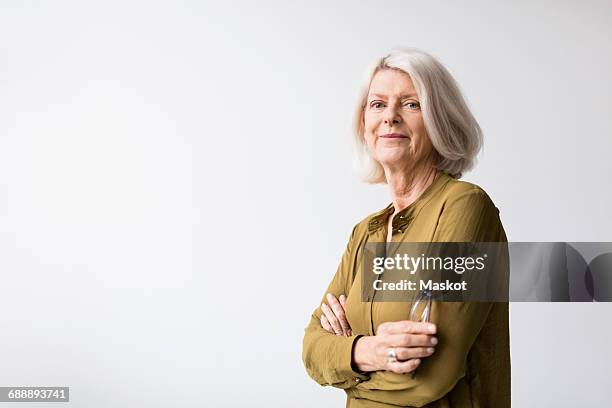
x=392, y=355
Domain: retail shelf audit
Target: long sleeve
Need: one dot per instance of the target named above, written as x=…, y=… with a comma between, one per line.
x=326, y=356
x=468, y=216
x=474, y=334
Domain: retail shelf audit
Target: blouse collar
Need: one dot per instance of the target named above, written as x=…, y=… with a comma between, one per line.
x=405, y=216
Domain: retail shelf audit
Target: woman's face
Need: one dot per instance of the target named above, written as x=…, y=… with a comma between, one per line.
x=394, y=128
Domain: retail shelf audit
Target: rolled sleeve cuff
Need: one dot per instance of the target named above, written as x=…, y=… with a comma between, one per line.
x=345, y=369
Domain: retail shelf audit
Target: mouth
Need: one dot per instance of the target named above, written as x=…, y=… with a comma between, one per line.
x=394, y=136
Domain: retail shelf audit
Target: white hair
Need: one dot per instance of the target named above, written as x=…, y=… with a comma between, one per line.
x=451, y=127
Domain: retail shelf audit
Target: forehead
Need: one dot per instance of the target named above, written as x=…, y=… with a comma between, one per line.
x=392, y=82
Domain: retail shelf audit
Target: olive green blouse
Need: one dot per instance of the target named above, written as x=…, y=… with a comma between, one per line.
x=471, y=364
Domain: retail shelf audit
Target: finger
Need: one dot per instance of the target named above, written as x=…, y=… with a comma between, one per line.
x=342, y=300
x=325, y=324
x=403, y=367
x=411, y=340
x=332, y=318
x=407, y=326
x=339, y=312
x=407, y=353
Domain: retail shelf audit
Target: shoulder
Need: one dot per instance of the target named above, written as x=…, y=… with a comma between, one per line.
x=466, y=213
x=456, y=188
x=465, y=194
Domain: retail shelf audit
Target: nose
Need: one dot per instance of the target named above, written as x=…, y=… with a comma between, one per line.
x=391, y=117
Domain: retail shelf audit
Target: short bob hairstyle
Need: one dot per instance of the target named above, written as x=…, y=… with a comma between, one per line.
x=451, y=127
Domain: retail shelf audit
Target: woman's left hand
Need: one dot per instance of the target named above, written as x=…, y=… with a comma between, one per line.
x=333, y=318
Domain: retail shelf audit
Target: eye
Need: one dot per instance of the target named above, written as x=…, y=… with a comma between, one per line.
x=413, y=105
x=376, y=104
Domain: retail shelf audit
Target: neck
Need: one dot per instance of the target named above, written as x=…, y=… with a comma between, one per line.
x=407, y=185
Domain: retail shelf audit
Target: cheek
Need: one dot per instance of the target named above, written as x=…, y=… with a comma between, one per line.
x=423, y=137
x=422, y=142
x=368, y=123
x=369, y=128
x=418, y=123
x=370, y=143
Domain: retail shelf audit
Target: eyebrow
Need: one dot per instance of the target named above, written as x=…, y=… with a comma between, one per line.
x=410, y=95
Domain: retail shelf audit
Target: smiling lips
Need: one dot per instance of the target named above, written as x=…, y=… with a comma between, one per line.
x=394, y=136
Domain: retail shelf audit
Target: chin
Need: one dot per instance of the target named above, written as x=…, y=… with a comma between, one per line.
x=395, y=161
x=389, y=158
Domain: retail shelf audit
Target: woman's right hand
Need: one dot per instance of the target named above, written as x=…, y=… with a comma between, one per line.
x=333, y=317
x=410, y=340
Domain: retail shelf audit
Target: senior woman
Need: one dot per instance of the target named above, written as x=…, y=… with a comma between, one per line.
x=414, y=132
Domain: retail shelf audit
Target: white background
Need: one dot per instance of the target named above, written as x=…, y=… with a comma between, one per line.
x=176, y=186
